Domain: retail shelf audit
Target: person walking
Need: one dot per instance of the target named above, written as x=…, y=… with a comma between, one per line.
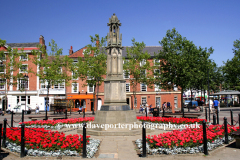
x=216, y=105
x=37, y=109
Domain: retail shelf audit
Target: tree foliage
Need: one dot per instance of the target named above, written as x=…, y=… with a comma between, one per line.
x=182, y=63
x=231, y=70
x=53, y=67
x=92, y=66
x=137, y=65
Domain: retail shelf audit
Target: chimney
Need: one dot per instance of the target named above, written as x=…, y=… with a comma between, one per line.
x=41, y=40
x=97, y=42
x=71, y=51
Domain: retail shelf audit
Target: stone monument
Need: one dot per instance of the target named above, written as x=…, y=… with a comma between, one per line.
x=115, y=109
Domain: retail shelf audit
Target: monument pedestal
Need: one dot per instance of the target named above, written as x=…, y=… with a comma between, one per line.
x=114, y=123
x=115, y=117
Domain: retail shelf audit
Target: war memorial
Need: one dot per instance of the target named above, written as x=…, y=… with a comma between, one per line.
x=171, y=138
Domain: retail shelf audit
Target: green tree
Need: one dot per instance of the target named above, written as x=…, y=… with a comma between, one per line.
x=9, y=64
x=92, y=66
x=231, y=69
x=180, y=62
x=138, y=67
x=53, y=67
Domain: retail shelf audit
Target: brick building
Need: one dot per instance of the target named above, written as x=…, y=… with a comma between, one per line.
x=30, y=94
x=152, y=96
x=36, y=92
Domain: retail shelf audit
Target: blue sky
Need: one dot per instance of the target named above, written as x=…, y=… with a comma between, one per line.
x=70, y=23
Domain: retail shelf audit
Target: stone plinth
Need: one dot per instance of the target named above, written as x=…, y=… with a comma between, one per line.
x=115, y=117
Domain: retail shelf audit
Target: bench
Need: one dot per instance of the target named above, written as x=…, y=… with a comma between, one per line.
x=236, y=135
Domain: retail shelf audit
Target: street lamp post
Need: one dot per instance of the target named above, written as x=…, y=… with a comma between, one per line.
x=25, y=86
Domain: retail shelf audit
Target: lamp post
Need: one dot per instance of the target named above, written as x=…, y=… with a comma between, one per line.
x=26, y=86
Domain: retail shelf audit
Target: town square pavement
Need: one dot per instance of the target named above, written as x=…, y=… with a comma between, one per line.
x=123, y=148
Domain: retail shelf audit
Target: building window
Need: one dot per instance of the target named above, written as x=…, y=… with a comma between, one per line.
x=126, y=74
x=24, y=57
x=75, y=61
x=143, y=62
x=74, y=75
x=90, y=89
x=144, y=101
x=23, y=84
x=23, y=69
x=3, y=57
x=158, y=102
x=156, y=73
x=157, y=88
x=43, y=84
x=2, y=68
x=75, y=88
x=127, y=87
x=2, y=84
x=23, y=99
x=85, y=51
x=175, y=102
x=156, y=62
x=175, y=88
x=143, y=73
x=59, y=85
x=143, y=87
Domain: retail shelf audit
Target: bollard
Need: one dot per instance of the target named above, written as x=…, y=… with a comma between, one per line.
x=0, y=139
x=83, y=112
x=239, y=120
x=22, y=154
x=4, y=132
x=183, y=112
x=214, y=119
x=12, y=119
x=143, y=140
x=226, y=130
x=84, y=155
x=66, y=114
x=46, y=117
x=231, y=114
x=22, y=115
x=205, y=138
x=217, y=117
x=206, y=114
x=146, y=111
x=209, y=114
x=163, y=113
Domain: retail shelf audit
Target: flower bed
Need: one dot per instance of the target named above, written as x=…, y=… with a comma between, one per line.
x=39, y=138
x=43, y=142
x=57, y=122
x=170, y=120
x=189, y=140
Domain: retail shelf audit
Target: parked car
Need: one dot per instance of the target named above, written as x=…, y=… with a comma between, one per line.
x=192, y=104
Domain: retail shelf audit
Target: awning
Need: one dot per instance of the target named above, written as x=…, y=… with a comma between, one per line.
x=75, y=96
x=227, y=92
